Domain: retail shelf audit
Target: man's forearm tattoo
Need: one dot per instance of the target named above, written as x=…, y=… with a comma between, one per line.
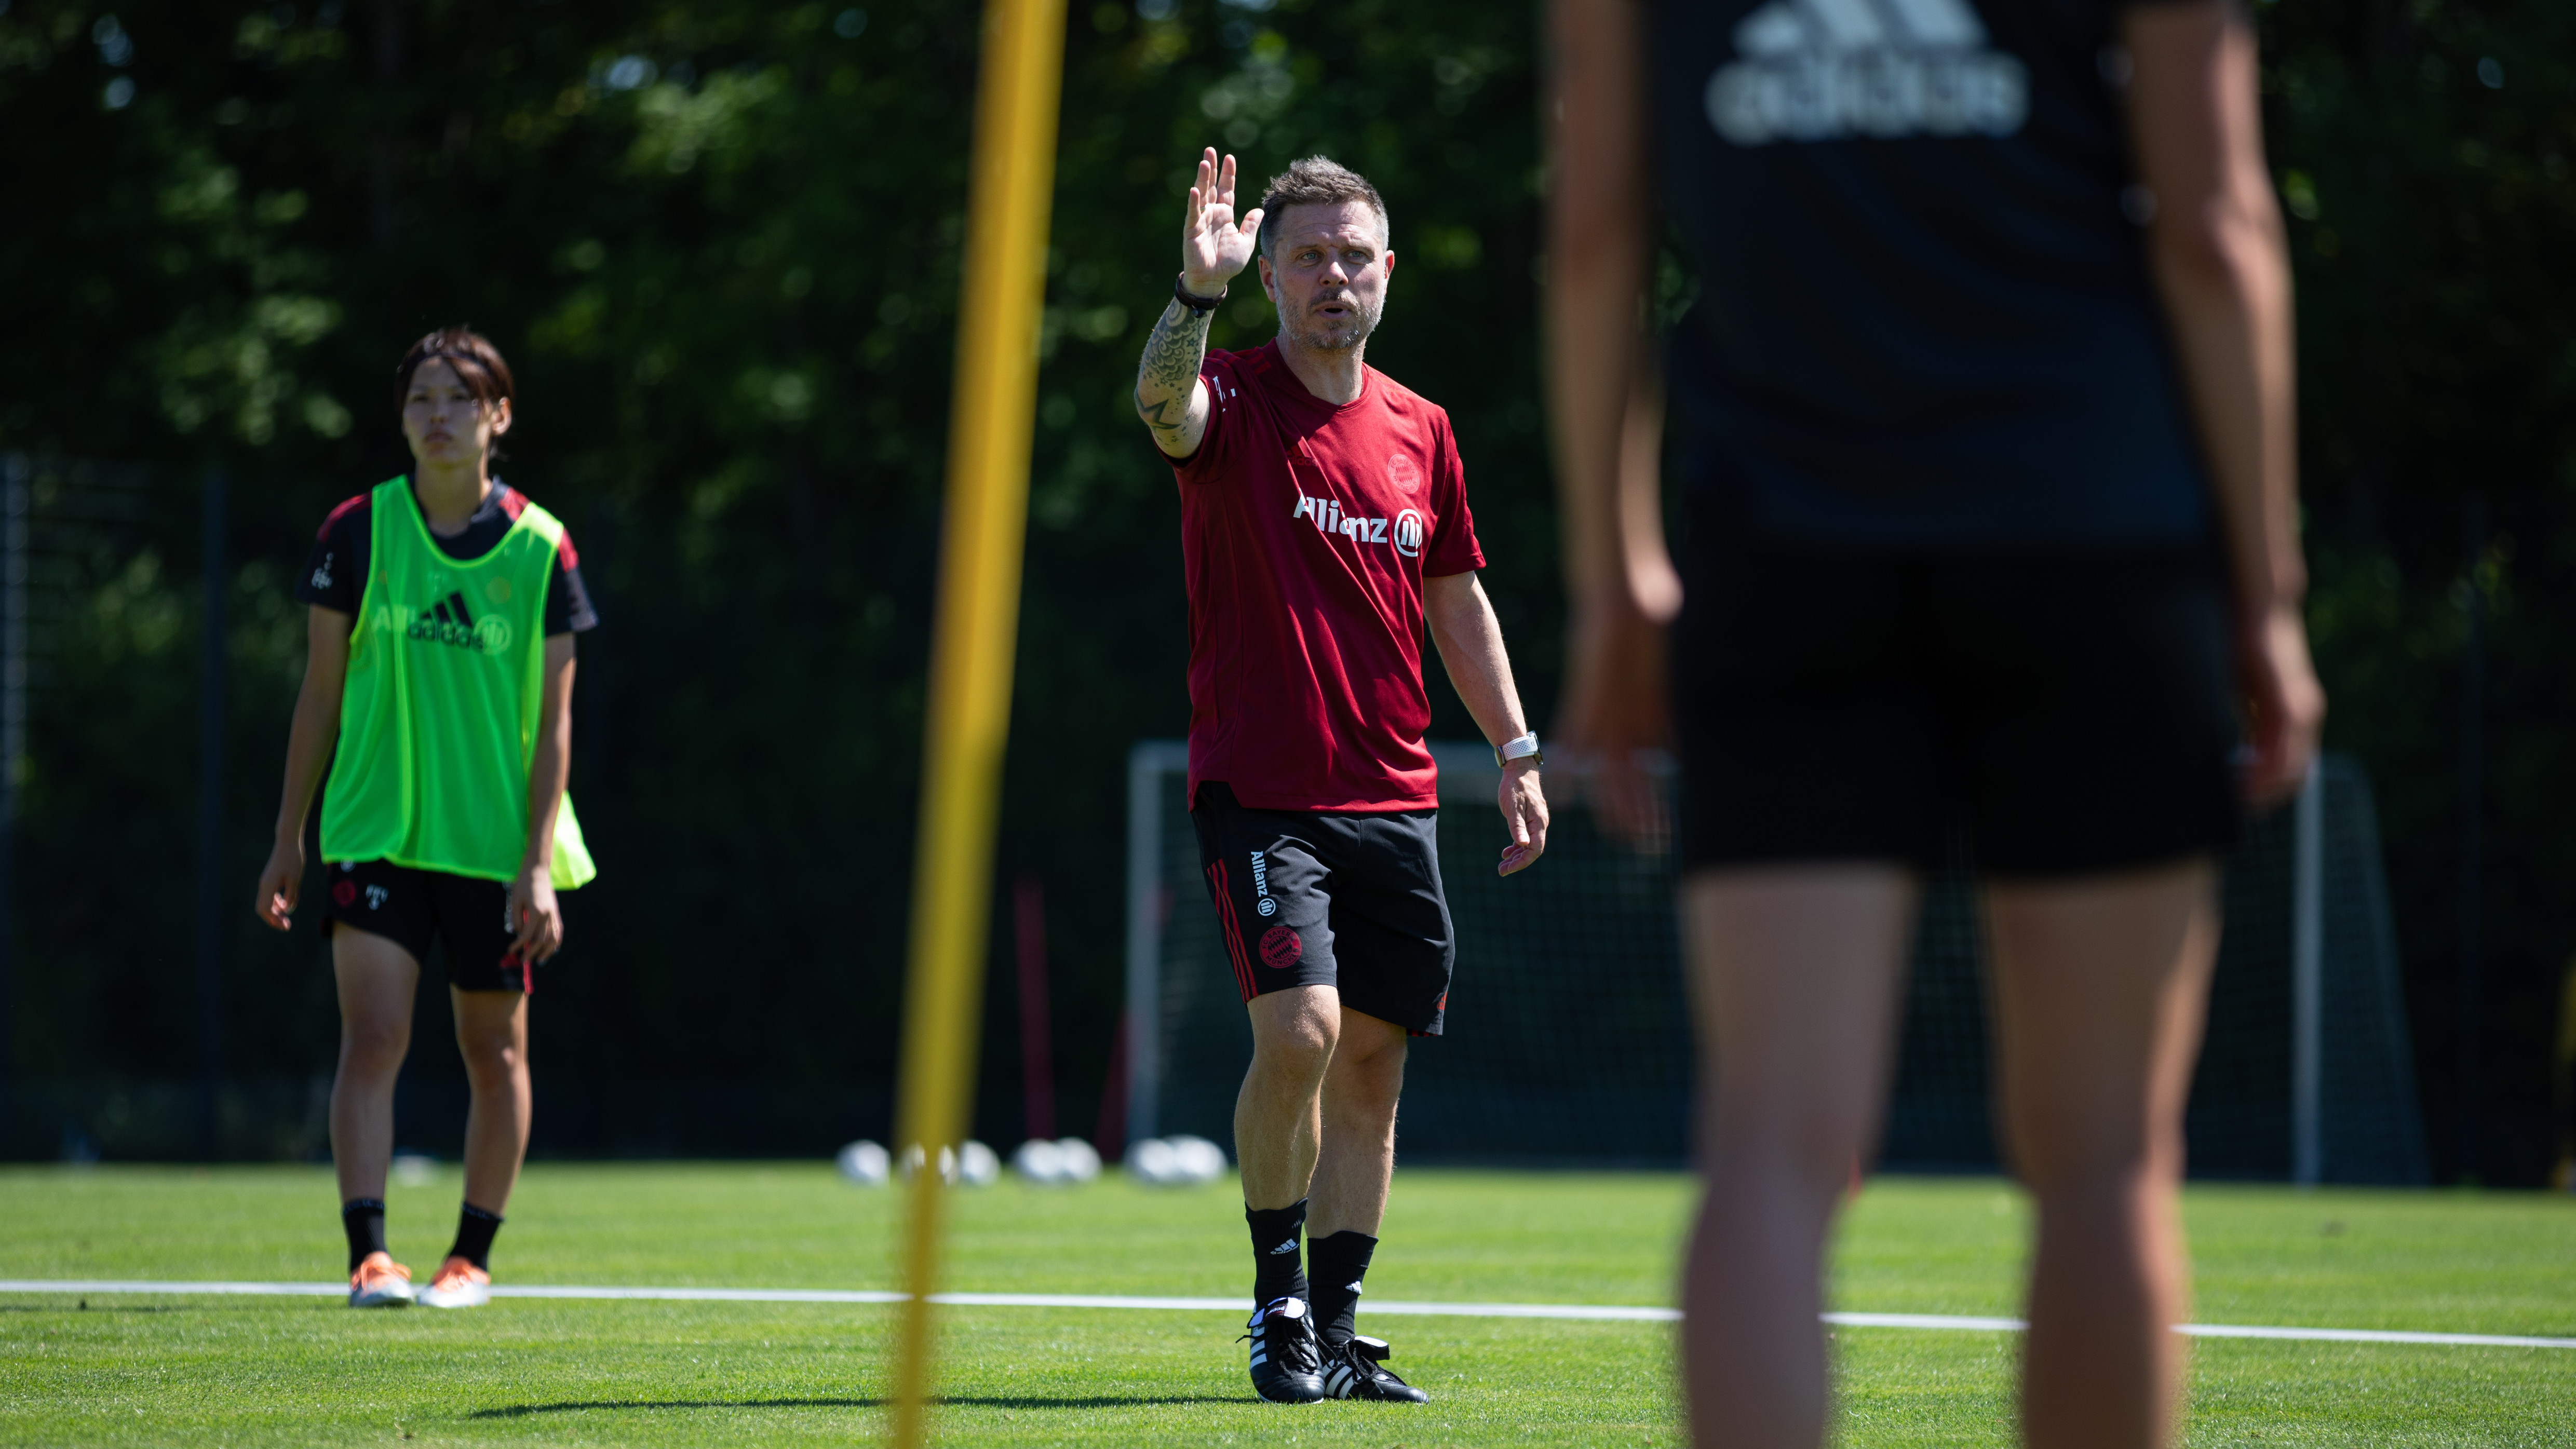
x=1170, y=366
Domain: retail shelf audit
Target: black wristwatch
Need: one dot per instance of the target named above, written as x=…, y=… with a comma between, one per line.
x=1193, y=300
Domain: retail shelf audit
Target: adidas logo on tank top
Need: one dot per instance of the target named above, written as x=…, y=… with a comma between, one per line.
x=1832, y=70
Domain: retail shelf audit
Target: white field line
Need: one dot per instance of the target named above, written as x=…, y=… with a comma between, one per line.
x=1583, y=1311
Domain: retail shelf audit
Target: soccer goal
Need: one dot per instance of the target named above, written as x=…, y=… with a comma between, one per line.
x=1569, y=1039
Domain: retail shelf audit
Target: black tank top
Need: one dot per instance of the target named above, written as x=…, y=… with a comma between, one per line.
x=1924, y=318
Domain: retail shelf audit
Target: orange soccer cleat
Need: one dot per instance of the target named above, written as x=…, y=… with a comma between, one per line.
x=380, y=1282
x=459, y=1284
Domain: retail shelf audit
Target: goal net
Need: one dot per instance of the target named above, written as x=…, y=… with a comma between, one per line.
x=1568, y=1037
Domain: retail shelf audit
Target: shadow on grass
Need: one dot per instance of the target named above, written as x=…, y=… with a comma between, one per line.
x=87, y=1307
x=997, y=1401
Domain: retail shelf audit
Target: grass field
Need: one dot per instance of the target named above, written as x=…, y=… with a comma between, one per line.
x=205, y=1370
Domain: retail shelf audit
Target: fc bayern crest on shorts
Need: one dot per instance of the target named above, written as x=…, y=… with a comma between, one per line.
x=1346, y=900
x=1280, y=947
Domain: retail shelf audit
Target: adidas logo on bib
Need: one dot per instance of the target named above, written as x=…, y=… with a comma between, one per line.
x=447, y=621
x=1830, y=70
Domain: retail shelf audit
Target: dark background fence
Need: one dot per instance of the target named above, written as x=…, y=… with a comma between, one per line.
x=718, y=239
x=1569, y=1036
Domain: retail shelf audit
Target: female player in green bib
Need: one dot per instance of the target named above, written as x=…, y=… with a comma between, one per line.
x=438, y=690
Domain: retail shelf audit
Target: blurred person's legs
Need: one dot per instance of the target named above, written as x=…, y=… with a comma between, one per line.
x=2099, y=986
x=377, y=979
x=2063, y=719
x=1795, y=972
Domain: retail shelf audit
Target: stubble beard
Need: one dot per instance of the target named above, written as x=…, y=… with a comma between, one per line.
x=1313, y=334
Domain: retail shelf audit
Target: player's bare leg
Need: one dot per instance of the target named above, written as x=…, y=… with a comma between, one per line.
x=492, y=1033
x=2099, y=990
x=1357, y=1152
x=1315, y=1133
x=1278, y=1121
x=1278, y=1129
x=376, y=980
x=1794, y=974
x=1316, y=1116
x=1349, y=1198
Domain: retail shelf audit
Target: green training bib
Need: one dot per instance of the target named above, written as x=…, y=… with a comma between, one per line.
x=438, y=720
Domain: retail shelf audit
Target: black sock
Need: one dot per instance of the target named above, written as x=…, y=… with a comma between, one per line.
x=1339, y=1263
x=363, y=1219
x=1278, y=1269
x=474, y=1230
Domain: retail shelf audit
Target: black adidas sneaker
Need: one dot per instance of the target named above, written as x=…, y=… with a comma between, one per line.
x=1357, y=1370
x=1287, y=1360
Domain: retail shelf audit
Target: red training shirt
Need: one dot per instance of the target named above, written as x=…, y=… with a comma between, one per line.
x=1306, y=532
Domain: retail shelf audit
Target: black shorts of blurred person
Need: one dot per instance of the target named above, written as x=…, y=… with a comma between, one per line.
x=1796, y=947
x=454, y=394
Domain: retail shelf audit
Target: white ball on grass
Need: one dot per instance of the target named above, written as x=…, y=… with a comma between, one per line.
x=977, y=1165
x=1039, y=1161
x=1197, y=1160
x=1081, y=1164
x=1151, y=1161
x=864, y=1164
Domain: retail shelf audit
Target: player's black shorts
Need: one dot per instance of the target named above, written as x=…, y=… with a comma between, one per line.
x=1309, y=898
x=2068, y=710
x=411, y=907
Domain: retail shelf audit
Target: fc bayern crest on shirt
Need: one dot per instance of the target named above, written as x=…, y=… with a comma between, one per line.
x=1404, y=473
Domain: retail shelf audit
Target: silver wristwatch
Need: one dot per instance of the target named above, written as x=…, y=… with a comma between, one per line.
x=1524, y=748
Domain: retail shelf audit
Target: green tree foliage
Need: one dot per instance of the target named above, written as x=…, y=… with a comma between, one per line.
x=2423, y=149
x=719, y=240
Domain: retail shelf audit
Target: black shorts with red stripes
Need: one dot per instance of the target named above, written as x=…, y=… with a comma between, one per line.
x=1314, y=898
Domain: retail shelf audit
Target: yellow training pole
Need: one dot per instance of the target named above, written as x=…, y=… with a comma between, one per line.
x=971, y=645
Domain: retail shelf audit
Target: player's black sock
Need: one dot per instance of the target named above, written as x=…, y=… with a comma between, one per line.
x=1278, y=1269
x=474, y=1230
x=363, y=1219
x=1337, y=1264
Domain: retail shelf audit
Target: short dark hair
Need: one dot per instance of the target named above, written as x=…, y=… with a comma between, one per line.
x=477, y=362
x=1314, y=181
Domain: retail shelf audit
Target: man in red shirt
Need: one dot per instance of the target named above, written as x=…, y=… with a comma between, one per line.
x=1324, y=523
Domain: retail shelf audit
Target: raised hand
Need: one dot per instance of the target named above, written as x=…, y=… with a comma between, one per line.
x=1214, y=246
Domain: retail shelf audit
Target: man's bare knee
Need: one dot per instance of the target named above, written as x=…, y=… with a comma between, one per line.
x=1295, y=1033
x=1367, y=1072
